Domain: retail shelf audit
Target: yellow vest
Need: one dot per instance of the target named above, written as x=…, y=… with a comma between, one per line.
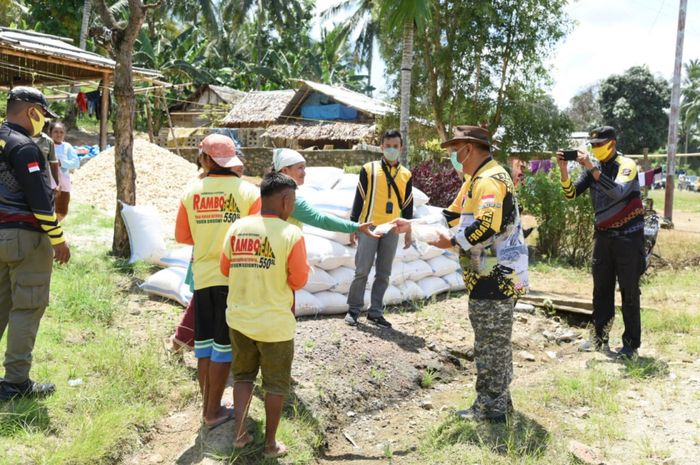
x=380, y=192
x=259, y=299
x=212, y=205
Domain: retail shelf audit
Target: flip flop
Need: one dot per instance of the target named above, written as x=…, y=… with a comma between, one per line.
x=280, y=452
x=244, y=444
x=230, y=416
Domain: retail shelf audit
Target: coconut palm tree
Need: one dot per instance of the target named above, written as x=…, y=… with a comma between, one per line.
x=406, y=16
x=362, y=22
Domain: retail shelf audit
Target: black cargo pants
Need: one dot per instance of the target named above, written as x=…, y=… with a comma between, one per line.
x=621, y=259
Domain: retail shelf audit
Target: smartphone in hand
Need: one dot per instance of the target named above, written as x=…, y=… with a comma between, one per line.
x=570, y=155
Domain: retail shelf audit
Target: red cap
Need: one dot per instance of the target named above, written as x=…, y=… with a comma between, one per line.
x=221, y=149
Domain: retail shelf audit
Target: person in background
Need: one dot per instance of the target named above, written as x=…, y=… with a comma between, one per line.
x=384, y=193
x=618, y=249
x=208, y=209
x=264, y=258
x=46, y=146
x=30, y=237
x=493, y=257
x=68, y=161
x=293, y=164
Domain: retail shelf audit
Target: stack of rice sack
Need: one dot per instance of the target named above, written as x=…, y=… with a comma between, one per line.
x=419, y=272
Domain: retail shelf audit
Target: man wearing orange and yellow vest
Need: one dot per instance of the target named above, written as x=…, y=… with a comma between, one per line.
x=210, y=206
x=493, y=257
x=384, y=193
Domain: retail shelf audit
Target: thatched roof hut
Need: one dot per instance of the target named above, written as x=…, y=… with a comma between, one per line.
x=258, y=109
x=315, y=131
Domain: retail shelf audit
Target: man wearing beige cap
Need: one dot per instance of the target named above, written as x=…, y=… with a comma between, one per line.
x=208, y=209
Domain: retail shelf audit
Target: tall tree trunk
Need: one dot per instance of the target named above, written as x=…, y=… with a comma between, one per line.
x=87, y=7
x=123, y=145
x=123, y=39
x=370, y=59
x=406, y=69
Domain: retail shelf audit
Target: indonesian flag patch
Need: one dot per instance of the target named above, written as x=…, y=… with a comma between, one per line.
x=33, y=167
x=488, y=197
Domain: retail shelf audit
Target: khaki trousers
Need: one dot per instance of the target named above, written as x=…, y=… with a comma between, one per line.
x=25, y=276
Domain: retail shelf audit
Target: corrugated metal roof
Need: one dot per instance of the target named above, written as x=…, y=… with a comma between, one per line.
x=50, y=46
x=360, y=102
x=44, y=44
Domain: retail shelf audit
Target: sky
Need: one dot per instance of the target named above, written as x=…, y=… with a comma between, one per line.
x=608, y=37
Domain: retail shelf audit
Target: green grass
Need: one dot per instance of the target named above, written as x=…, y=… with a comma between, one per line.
x=427, y=379
x=129, y=382
x=683, y=201
x=594, y=388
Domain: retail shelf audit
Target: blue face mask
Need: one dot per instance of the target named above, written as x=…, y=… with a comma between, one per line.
x=455, y=163
x=391, y=154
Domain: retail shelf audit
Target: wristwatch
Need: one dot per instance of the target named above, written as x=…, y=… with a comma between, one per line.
x=453, y=241
x=595, y=168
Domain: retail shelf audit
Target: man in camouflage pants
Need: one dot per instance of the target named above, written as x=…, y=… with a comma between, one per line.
x=493, y=256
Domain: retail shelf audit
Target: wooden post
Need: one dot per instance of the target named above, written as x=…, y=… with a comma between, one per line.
x=104, y=111
x=645, y=167
x=675, y=111
x=170, y=121
x=149, y=119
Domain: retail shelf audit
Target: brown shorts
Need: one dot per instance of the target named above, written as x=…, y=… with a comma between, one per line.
x=62, y=201
x=274, y=359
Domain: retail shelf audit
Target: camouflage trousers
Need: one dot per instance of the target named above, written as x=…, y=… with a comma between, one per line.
x=492, y=321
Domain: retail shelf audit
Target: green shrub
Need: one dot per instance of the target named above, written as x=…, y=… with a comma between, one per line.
x=565, y=227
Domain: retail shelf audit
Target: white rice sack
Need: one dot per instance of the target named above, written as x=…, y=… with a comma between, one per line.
x=420, y=198
x=319, y=280
x=334, y=202
x=349, y=261
x=325, y=253
x=318, y=177
x=332, y=303
x=417, y=270
x=427, y=232
x=411, y=291
x=405, y=255
x=442, y=265
x=340, y=238
x=343, y=277
x=456, y=281
x=420, y=212
x=169, y=283
x=306, y=304
x=427, y=251
x=309, y=194
x=145, y=233
x=348, y=182
x=179, y=257
x=433, y=285
x=398, y=275
x=393, y=296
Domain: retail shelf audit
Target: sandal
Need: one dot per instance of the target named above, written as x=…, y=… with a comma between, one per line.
x=230, y=415
x=281, y=451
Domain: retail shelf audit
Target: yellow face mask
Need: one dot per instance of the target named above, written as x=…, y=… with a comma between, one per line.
x=37, y=125
x=603, y=152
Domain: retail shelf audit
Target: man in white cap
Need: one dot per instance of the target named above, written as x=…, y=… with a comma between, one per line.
x=207, y=211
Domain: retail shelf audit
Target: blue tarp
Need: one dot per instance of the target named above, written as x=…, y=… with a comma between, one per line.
x=330, y=112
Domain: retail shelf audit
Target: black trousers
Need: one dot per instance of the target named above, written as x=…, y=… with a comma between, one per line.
x=620, y=259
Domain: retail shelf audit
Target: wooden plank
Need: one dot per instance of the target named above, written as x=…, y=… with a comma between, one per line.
x=21, y=53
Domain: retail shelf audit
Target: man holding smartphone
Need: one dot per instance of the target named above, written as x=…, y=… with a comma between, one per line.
x=618, y=251
x=384, y=193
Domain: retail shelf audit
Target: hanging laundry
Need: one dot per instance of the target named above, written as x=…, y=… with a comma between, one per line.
x=81, y=102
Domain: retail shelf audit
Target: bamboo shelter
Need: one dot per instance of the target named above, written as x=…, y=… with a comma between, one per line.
x=32, y=58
